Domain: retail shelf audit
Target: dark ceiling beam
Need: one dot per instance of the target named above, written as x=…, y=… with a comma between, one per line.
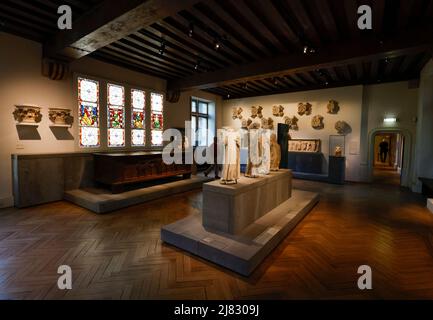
x=120, y=55
x=289, y=82
x=410, y=42
x=280, y=26
x=254, y=21
x=154, y=49
x=330, y=85
x=201, y=21
x=161, y=60
x=328, y=19
x=129, y=64
x=12, y=11
x=374, y=71
x=256, y=86
x=208, y=40
x=209, y=17
x=109, y=22
x=351, y=10
x=297, y=7
x=333, y=74
x=172, y=35
x=178, y=46
x=379, y=16
x=224, y=18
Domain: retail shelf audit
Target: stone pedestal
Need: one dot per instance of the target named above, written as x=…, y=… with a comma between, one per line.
x=232, y=208
x=430, y=204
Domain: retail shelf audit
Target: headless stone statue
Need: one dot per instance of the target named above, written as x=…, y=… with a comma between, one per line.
x=275, y=153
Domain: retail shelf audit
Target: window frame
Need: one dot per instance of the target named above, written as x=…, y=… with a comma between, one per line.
x=197, y=116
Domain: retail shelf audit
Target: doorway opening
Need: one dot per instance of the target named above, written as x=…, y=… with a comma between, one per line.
x=388, y=158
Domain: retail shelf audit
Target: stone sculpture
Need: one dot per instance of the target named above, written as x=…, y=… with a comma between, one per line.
x=256, y=112
x=231, y=165
x=60, y=116
x=27, y=114
x=304, y=145
x=265, y=165
x=278, y=111
x=292, y=123
x=317, y=122
x=267, y=123
x=338, y=151
x=305, y=109
x=254, y=151
x=333, y=107
x=342, y=127
x=237, y=113
x=275, y=153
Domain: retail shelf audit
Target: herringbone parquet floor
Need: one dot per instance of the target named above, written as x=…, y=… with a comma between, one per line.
x=120, y=255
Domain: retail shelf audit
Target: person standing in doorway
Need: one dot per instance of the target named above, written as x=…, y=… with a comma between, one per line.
x=383, y=148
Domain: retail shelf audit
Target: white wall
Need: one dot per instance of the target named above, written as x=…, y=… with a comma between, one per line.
x=395, y=100
x=424, y=146
x=21, y=82
x=350, y=101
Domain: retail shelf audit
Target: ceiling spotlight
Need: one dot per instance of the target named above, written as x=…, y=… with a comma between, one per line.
x=197, y=65
x=326, y=83
x=216, y=45
x=191, y=30
x=306, y=49
x=276, y=82
x=387, y=60
x=162, y=48
x=312, y=50
x=228, y=95
x=245, y=86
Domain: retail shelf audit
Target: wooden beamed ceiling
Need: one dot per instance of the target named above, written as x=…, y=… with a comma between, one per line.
x=260, y=43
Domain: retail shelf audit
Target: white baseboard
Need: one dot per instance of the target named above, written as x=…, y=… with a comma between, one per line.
x=430, y=204
x=6, y=202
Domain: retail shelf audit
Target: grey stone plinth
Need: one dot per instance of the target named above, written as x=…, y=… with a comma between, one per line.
x=232, y=208
x=243, y=252
x=430, y=204
x=103, y=201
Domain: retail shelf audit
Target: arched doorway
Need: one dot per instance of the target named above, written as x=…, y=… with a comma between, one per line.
x=390, y=156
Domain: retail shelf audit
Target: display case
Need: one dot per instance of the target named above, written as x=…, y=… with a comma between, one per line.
x=337, y=145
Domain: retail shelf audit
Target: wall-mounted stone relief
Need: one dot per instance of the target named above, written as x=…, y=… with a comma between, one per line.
x=60, y=117
x=237, y=113
x=27, y=114
x=317, y=122
x=268, y=123
x=333, y=107
x=342, y=127
x=256, y=112
x=278, y=111
x=292, y=123
x=305, y=109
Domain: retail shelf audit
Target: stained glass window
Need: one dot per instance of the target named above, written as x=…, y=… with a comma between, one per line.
x=88, y=105
x=138, y=101
x=116, y=115
x=157, y=118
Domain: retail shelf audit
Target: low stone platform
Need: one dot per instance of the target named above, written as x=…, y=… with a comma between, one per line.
x=430, y=204
x=231, y=208
x=243, y=252
x=103, y=201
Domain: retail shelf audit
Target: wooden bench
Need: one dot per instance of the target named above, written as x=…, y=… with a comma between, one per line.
x=427, y=187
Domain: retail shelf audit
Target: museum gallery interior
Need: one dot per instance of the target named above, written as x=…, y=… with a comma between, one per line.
x=216, y=149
